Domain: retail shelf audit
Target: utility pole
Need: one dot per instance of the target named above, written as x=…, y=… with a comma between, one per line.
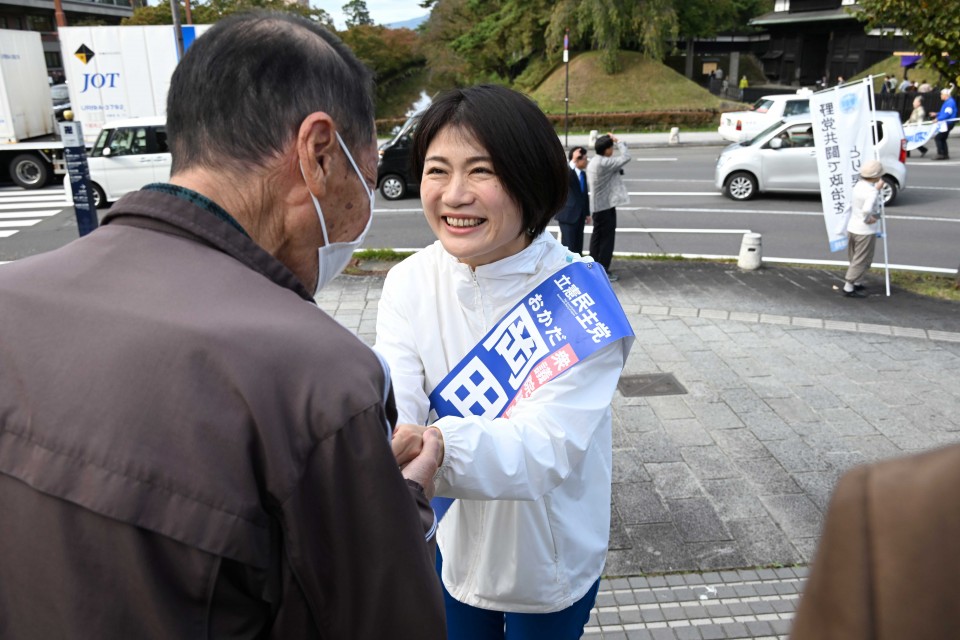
x=189, y=15
x=177, y=31
x=566, y=91
x=58, y=12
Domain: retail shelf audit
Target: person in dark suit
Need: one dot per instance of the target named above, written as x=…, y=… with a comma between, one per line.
x=888, y=559
x=577, y=209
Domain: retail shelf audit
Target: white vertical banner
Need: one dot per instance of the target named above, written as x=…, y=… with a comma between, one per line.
x=843, y=141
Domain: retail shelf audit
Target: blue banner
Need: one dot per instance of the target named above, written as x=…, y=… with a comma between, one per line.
x=565, y=319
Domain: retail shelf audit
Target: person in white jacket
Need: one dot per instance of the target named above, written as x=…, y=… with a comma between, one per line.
x=522, y=548
x=862, y=227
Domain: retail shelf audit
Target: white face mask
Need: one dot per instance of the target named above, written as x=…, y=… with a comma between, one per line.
x=333, y=258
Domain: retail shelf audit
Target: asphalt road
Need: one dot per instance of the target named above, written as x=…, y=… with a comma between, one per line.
x=674, y=209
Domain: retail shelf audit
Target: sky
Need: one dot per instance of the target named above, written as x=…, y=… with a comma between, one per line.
x=382, y=11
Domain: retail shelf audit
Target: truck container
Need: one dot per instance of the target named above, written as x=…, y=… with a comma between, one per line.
x=122, y=72
x=29, y=146
x=112, y=72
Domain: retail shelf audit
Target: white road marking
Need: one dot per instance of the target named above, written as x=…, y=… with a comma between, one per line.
x=43, y=214
x=18, y=223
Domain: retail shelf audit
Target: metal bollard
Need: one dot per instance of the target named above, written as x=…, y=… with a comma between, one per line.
x=674, y=136
x=591, y=143
x=751, y=255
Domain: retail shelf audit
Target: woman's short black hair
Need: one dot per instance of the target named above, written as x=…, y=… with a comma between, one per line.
x=525, y=150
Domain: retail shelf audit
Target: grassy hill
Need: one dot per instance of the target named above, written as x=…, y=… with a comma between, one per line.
x=642, y=85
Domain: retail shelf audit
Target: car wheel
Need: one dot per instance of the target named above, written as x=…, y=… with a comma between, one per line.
x=99, y=197
x=393, y=187
x=29, y=171
x=889, y=190
x=740, y=186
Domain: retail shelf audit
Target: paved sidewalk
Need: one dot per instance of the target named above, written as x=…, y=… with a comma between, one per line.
x=785, y=385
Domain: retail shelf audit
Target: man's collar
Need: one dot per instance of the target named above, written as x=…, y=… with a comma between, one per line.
x=197, y=199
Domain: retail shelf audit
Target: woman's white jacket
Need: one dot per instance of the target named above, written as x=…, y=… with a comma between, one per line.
x=530, y=528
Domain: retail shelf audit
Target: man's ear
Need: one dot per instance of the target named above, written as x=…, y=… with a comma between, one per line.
x=316, y=143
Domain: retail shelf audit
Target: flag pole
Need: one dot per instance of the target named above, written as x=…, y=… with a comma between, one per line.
x=876, y=156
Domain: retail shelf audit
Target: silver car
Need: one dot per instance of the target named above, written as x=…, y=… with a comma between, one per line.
x=781, y=159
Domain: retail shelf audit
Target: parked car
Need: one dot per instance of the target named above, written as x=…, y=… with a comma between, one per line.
x=740, y=126
x=393, y=167
x=782, y=158
x=128, y=155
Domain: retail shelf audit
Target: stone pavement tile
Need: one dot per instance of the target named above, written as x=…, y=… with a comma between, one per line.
x=781, y=627
x=818, y=486
x=792, y=409
x=674, y=480
x=663, y=634
x=795, y=455
x=747, y=366
x=714, y=415
x=759, y=628
x=806, y=548
x=761, y=607
x=715, y=555
x=872, y=448
x=709, y=462
x=639, y=503
x=712, y=632
x=628, y=467
x=651, y=335
x=740, y=444
x=946, y=336
x=846, y=422
x=769, y=318
x=817, y=397
x=762, y=542
x=742, y=400
x=734, y=498
x=619, y=539
x=623, y=562
x=697, y=521
x=710, y=333
x=663, y=354
x=659, y=548
x=639, y=634
x=769, y=388
x=637, y=418
x=735, y=630
x=797, y=515
x=676, y=580
x=687, y=633
x=687, y=433
x=769, y=477
x=670, y=407
x=655, y=447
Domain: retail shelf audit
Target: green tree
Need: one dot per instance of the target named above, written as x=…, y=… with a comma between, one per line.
x=357, y=14
x=212, y=10
x=933, y=25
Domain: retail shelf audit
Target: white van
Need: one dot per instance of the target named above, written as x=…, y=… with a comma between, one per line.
x=128, y=155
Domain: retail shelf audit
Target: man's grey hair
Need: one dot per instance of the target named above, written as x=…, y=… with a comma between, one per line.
x=243, y=88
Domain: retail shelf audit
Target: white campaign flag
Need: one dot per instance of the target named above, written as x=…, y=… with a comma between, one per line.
x=843, y=141
x=919, y=134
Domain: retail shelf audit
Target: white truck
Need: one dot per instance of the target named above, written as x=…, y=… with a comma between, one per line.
x=113, y=73
x=29, y=146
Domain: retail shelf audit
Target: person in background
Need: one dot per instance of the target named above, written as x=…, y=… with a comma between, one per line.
x=744, y=83
x=924, y=87
x=574, y=214
x=523, y=542
x=887, y=562
x=189, y=447
x=607, y=192
x=862, y=227
x=947, y=119
x=905, y=85
x=917, y=116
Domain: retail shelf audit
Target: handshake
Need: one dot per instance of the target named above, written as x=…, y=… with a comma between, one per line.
x=419, y=452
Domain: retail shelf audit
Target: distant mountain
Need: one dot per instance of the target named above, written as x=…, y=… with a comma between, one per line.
x=412, y=23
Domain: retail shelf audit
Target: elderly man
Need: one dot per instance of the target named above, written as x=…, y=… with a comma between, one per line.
x=947, y=117
x=188, y=446
x=607, y=192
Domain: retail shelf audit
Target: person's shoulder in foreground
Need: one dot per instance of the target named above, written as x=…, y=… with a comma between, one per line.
x=888, y=559
x=188, y=446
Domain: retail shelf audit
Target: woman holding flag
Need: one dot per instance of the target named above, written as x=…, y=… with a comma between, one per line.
x=508, y=348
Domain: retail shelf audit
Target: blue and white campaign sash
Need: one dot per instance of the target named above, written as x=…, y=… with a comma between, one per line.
x=565, y=319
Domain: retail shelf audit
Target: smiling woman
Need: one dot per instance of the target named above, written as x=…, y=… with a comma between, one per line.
x=526, y=462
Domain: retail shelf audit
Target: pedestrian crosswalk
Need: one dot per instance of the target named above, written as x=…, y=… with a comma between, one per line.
x=20, y=210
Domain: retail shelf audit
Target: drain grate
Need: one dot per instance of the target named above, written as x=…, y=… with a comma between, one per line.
x=650, y=384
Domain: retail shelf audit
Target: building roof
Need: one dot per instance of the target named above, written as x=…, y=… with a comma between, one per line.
x=788, y=17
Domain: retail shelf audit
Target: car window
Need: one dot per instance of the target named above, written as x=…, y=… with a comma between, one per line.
x=798, y=135
x=161, y=135
x=796, y=107
x=100, y=143
x=763, y=106
x=754, y=139
x=128, y=141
